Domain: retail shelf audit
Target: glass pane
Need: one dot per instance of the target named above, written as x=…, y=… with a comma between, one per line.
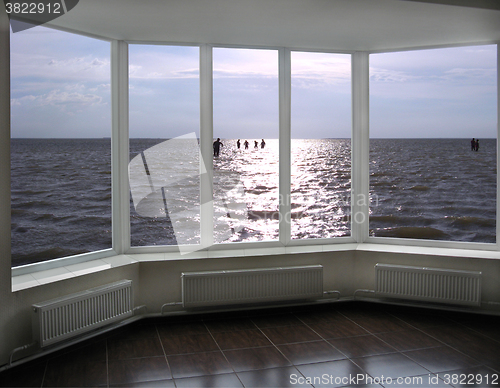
x=321, y=145
x=60, y=147
x=426, y=107
x=246, y=164
x=164, y=164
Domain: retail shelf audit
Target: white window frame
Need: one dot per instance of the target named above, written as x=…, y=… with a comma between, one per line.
x=396, y=241
x=359, y=238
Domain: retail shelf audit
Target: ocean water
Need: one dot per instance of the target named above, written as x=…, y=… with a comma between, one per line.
x=420, y=188
x=60, y=198
x=434, y=189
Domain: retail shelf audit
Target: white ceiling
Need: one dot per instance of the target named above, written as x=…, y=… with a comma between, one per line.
x=351, y=25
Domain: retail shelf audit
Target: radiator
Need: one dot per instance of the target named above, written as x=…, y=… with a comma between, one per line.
x=212, y=288
x=428, y=284
x=72, y=315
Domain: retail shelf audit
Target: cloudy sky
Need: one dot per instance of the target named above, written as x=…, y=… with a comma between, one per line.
x=61, y=88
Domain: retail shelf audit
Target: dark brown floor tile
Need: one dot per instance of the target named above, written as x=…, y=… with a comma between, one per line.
x=479, y=376
x=124, y=349
x=146, y=384
x=241, y=339
x=30, y=375
x=356, y=306
x=74, y=373
x=365, y=345
x=468, y=341
x=377, y=322
x=409, y=340
x=90, y=352
x=455, y=335
x=441, y=359
x=215, y=381
x=219, y=326
x=275, y=377
x=137, y=370
x=339, y=328
x=290, y=334
x=174, y=319
x=310, y=352
x=314, y=317
x=185, y=328
x=390, y=365
x=135, y=331
x=198, y=364
x=271, y=311
x=183, y=344
x=488, y=326
x=256, y=358
x=421, y=334
x=423, y=320
x=276, y=320
x=225, y=315
x=331, y=374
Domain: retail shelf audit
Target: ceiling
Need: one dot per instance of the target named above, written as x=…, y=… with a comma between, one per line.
x=350, y=25
x=486, y=4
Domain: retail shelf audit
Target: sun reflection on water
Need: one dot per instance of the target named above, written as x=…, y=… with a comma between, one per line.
x=321, y=177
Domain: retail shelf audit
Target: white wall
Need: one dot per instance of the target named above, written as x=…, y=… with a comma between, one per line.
x=156, y=283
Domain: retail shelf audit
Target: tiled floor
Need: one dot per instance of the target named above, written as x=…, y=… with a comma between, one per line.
x=340, y=344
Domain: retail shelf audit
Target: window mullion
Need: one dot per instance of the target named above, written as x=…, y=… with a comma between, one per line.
x=360, y=179
x=206, y=138
x=285, y=75
x=120, y=147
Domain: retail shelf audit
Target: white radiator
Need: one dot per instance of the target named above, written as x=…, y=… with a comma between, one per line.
x=75, y=314
x=428, y=284
x=214, y=288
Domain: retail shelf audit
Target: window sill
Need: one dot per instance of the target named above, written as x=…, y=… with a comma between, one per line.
x=431, y=251
x=35, y=279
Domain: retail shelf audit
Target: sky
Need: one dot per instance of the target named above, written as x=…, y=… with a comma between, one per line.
x=60, y=88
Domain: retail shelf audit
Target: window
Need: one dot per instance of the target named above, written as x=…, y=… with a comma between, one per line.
x=246, y=167
x=426, y=109
x=321, y=145
x=60, y=146
x=428, y=180
x=164, y=152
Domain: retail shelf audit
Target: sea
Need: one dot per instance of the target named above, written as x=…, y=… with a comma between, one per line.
x=435, y=189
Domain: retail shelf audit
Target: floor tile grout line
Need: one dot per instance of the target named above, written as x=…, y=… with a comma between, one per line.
x=347, y=358
x=437, y=339
x=354, y=336
x=223, y=354
x=44, y=373
x=352, y=359
x=279, y=350
x=165, y=354
x=444, y=343
x=475, y=331
x=441, y=343
x=324, y=339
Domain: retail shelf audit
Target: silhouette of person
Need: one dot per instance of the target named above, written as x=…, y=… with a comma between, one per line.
x=477, y=145
x=473, y=144
x=256, y=144
x=217, y=145
x=246, y=144
x=262, y=144
x=238, y=144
